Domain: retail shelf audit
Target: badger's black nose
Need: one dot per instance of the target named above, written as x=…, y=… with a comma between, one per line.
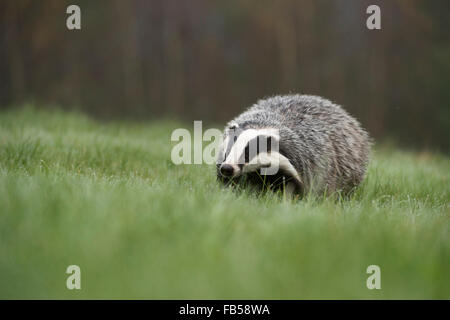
x=226, y=170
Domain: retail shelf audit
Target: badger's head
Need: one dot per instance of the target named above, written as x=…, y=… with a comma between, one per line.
x=253, y=155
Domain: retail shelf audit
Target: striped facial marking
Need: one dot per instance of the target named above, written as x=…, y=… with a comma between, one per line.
x=241, y=147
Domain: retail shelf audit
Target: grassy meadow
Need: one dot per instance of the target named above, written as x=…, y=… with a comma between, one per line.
x=105, y=196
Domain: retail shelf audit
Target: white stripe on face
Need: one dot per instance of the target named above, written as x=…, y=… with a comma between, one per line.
x=237, y=150
x=270, y=163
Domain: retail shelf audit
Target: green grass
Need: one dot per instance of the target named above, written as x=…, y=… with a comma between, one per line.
x=106, y=197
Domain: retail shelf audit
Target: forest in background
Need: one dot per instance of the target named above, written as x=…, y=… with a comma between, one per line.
x=210, y=59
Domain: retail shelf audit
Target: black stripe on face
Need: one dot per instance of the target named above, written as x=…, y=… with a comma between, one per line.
x=255, y=146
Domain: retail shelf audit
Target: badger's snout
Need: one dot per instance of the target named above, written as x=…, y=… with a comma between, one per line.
x=226, y=170
x=229, y=170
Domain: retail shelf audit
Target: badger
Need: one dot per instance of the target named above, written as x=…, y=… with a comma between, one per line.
x=296, y=143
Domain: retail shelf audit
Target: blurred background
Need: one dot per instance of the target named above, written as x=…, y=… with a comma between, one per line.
x=208, y=60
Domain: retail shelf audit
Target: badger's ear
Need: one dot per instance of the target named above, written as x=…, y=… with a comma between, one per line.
x=233, y=125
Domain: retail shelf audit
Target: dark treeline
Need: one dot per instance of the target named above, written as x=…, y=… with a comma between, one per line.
x=208, y=60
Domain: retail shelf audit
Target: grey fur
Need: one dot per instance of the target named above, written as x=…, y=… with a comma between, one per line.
x=328, y=148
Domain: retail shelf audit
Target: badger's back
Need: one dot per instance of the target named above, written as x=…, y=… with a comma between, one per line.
x=326, y=145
